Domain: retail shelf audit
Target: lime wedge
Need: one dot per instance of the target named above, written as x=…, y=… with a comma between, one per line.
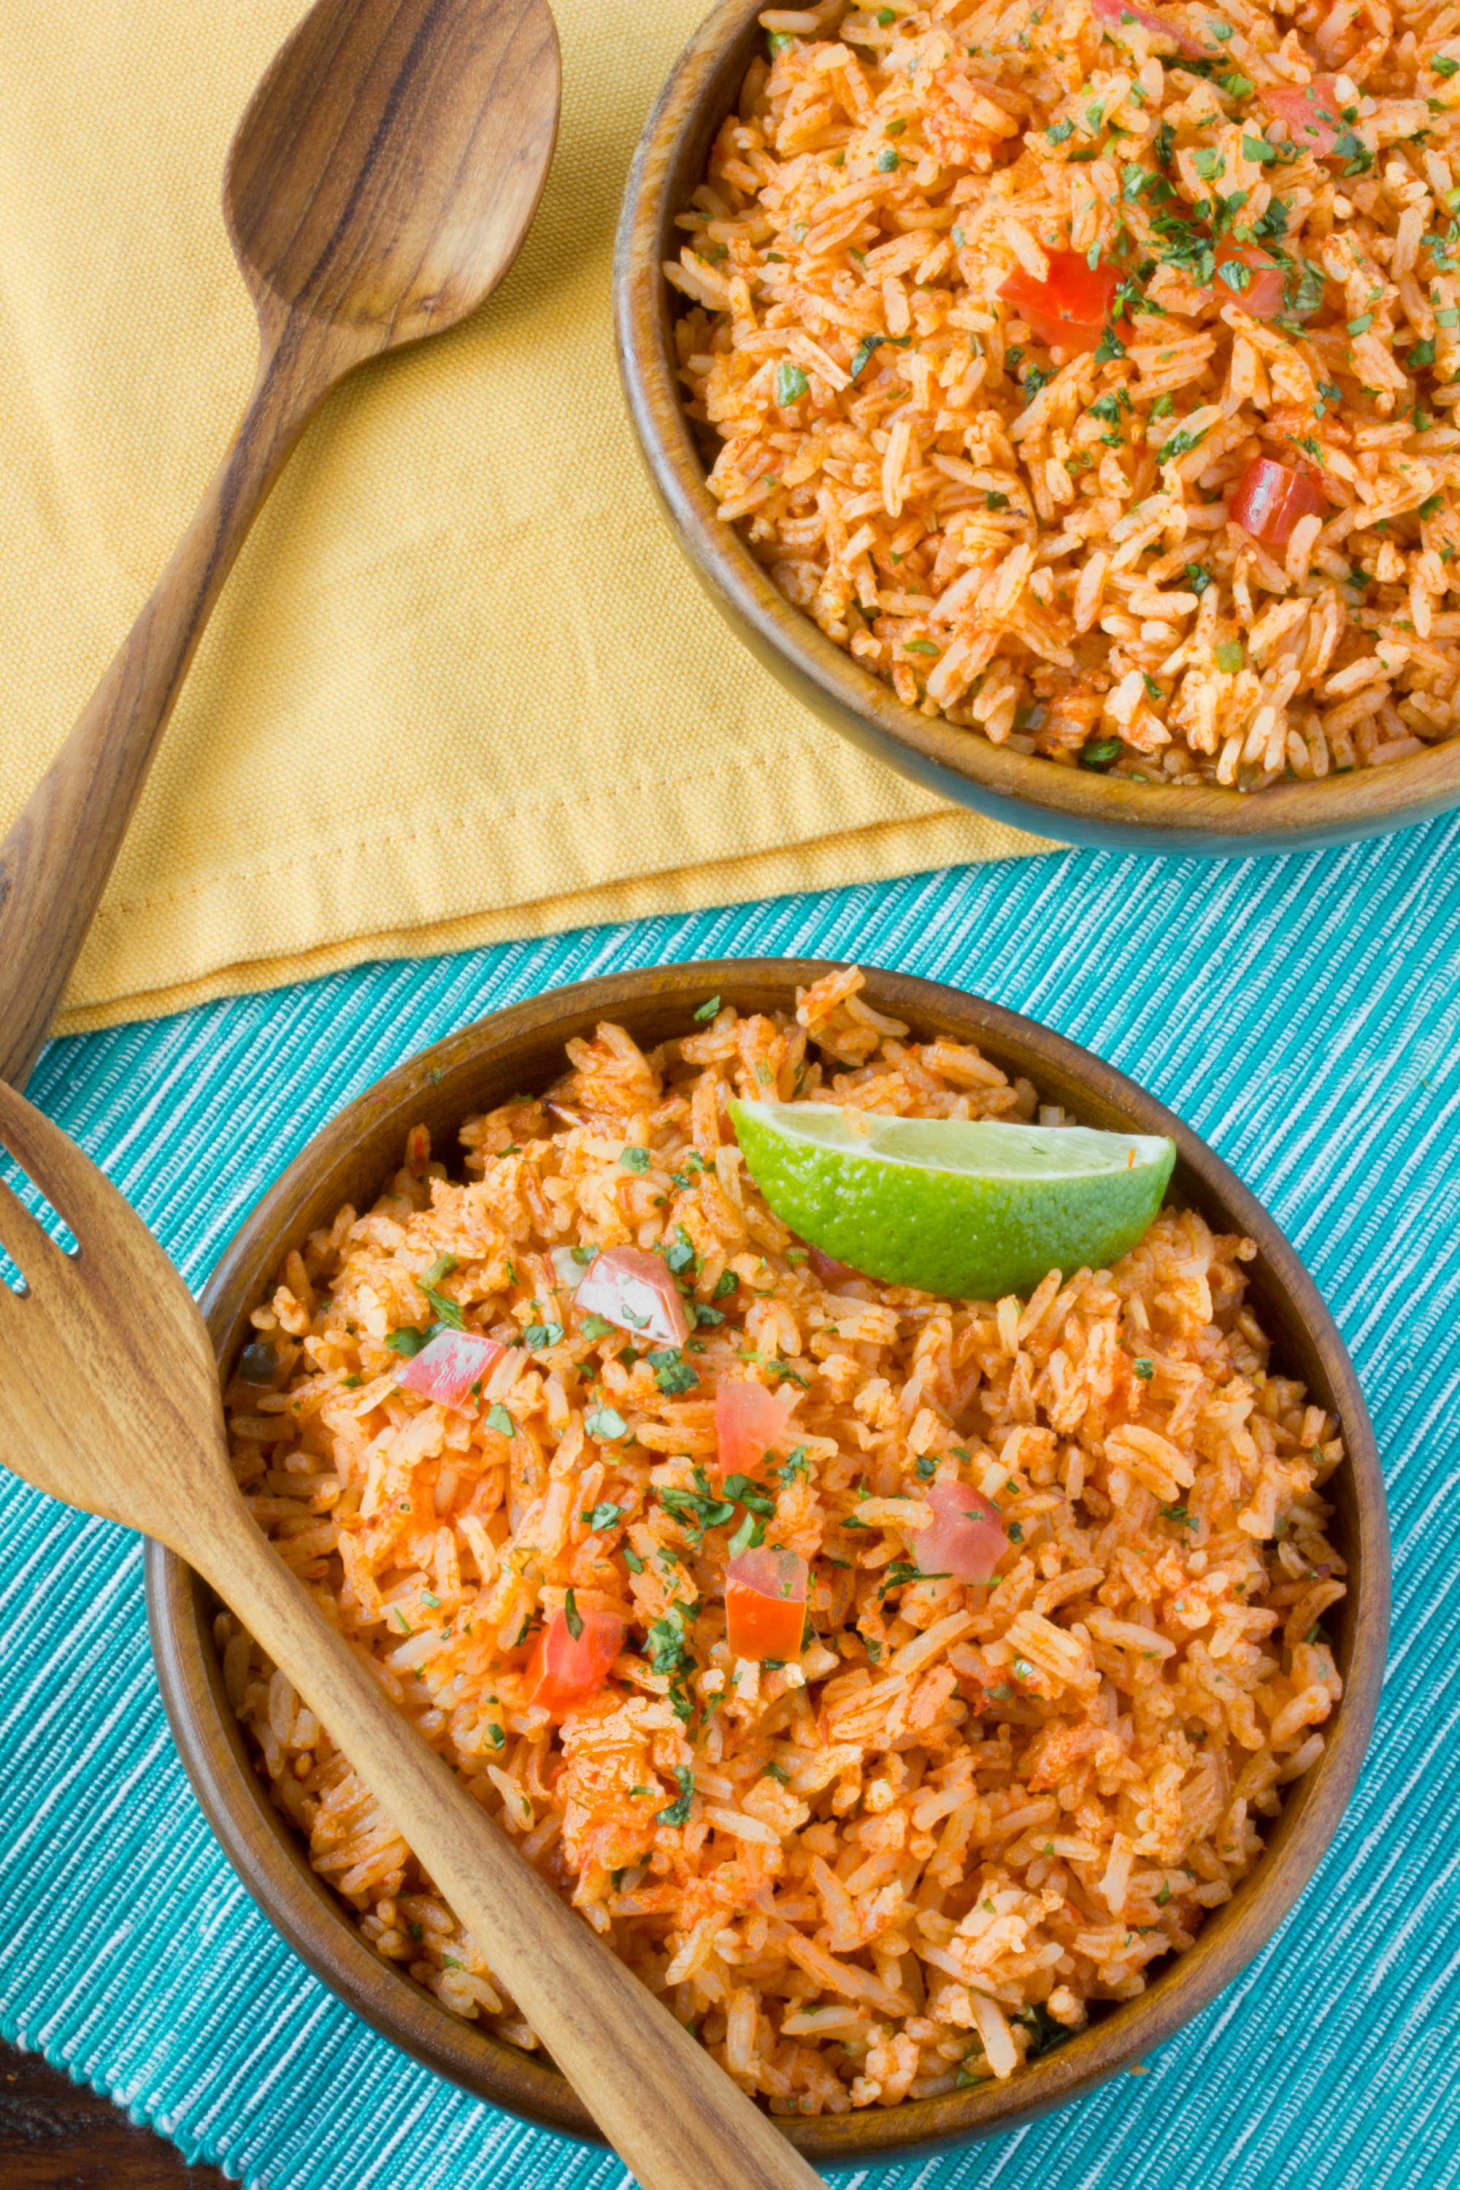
x=974, y=1208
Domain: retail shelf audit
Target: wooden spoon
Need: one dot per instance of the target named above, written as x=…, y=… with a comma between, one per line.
x=109, y=1399
x=379, y=187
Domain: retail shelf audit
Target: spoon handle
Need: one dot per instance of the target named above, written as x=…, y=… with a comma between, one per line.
x=674, y=2117
x=55, y=861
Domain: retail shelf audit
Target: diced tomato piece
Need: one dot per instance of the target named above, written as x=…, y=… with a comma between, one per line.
x=637, y=1292
x=1271, y=497
x=749, y=1423
x=448, y=1368
x=1310, y=111
x=1113, y=12
x=1072, y=306
x=565, y=1668
x=967, y=1538
x=1262, y=296
x=765, y=1603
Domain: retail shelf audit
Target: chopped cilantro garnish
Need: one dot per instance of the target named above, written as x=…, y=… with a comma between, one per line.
x=1180, y=443
x=500, y=1420
x=604, y=1515
x=572, y=1617
x=1100, y=753
x=1059, y=132
x=887, y=161
x=791, y=384
x=604, y=1423
x=635, y=1159
x=863, y=354
x=672, y=1373
x=677, y=1812
x=796, y=1463
x=538, y=1335
x=407, y=1343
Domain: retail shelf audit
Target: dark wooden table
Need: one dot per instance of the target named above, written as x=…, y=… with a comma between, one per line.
x=54, y=2136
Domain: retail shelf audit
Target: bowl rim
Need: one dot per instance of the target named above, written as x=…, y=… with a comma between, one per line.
x=264, y=1849
x=1027, y=791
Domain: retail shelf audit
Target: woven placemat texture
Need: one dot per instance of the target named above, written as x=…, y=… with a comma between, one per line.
x=1303, y=1015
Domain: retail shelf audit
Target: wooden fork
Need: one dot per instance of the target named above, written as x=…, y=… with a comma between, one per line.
x=109, y=1399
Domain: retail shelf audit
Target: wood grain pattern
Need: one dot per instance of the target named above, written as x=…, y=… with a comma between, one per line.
x=1027, y=791
x=521, y=1048
x=56, y=2135
x=139, y=1439
x=379, y=187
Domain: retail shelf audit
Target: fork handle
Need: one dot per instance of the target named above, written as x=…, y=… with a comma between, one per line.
x=673, y=2116
x=55, y=861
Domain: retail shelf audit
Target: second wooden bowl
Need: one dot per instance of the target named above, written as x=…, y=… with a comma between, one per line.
x=521, y=1049
x=1073, y=805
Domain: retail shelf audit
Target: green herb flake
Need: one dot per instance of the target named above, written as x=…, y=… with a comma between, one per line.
x=791, y=384
x=500, y=1420
x=709, y=1009
x=677, y=1812
x=1100, y=754
x=1145, y=1370
x=447, y=1311
x=887, y=161
x=672, y=1373
x=407, y=1343
x=635, y=1159
x=572, y=1617
x=602, y=1516
x=605, y=1424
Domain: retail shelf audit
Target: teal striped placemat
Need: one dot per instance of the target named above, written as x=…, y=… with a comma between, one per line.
x=1304, y=1015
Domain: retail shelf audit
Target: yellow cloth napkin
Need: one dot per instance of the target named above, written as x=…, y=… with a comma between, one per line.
x=461, y=685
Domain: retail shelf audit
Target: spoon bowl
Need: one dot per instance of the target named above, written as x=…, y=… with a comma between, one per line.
x=458, y=107
x=382, y=181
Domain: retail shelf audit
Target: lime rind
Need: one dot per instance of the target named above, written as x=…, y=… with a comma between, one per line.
x=970, y=1208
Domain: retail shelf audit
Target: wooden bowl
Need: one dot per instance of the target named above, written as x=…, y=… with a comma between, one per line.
x=522, y=1048
x=1074, y=805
